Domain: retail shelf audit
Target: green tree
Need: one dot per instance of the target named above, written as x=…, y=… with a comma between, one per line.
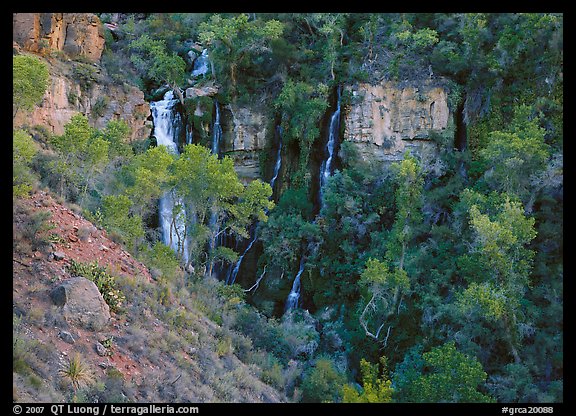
x=515, y=157
x=236, y=41
x=156, y=62
x=385, y=289
x=29, y=82
x=301, y=107
x=408, y=197
x=322, y=383
x=117, y=133
x=214, y=199
x=441, y=375
x=501, y=236
x=83, y=153
x=117, y=218
x=375, y=389
x=147, y=178
x=23, y=151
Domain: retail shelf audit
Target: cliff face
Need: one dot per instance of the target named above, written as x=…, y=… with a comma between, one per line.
x=75, y=34
x=75, y=86
x=244, y=136
x=386, y=120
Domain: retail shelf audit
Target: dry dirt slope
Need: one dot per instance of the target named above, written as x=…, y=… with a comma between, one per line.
x=160, y=347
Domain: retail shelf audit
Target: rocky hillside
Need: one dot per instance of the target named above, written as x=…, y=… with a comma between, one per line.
x=157, y=347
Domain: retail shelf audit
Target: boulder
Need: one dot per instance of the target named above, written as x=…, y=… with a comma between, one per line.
x=58, y=255
x=101, y=349
x=67, y=337
x=81, y=303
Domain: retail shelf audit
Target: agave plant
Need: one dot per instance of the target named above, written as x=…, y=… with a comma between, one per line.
x=76, y=372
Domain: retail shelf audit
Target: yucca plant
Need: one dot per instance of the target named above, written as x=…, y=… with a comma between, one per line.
x=76, y=372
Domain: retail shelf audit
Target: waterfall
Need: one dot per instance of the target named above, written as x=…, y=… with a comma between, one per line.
x=325, y=172
x=294, y=296
x=326, y=167
x=166, y=129
x=189, y=135
x=278, y=158
x=216, y=131
x=201, y=64
x=232, y=276
x=215, y=149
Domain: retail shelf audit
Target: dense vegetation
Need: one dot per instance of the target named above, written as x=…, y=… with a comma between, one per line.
x=422, y=284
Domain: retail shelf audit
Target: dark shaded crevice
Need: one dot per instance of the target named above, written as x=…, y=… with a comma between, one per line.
x=461, y=137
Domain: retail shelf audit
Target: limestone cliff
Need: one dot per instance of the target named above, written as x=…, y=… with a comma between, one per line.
x=245, y=134
x=76, y=86
x=74, y=34
x=386, y=120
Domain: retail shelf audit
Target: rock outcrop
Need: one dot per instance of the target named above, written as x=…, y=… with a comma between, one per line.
x=81, y=303
x=102, y=101
x=74, y=34
x=386, y=120
x=245, y=135
x=76, y=85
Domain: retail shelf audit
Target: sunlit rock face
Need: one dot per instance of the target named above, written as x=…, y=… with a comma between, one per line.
x=246, y=131
x=75, y=34
x=386, y=120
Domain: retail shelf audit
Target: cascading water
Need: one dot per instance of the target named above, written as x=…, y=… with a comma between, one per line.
x=232, y=276
x=216, y=131
x=201, y=64
x=294, y=296
x=326, y=168
x=215, y=148
x=167, y=123
x=325, y=172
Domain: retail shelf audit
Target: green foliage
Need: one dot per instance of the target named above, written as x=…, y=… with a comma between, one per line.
x=483, y=299
x=408, y=196
x=76, y=372
x=301, y=107
x=29, y=82
x=214, y=198
x=23, y=151
x=152, y=58
x=104, y=281
x=83, y=154
x=441, y=375
x=322, y=383
x=117, y=133
x=116, y=217
x=148, y=177
x=513, y=157
x=287, y=229
x=374, y=389
x=85, y=74
x=161, y=257
x=237, y=45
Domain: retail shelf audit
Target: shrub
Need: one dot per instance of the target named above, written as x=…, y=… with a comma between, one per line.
x=85, y=74
x=104, y=281
x=29, y=82
x=322, y=383
x=76, y=372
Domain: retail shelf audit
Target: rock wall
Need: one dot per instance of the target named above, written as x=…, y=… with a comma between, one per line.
x=386, y=120
x=75, y=34
x=102, y=102
x=245, y=135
